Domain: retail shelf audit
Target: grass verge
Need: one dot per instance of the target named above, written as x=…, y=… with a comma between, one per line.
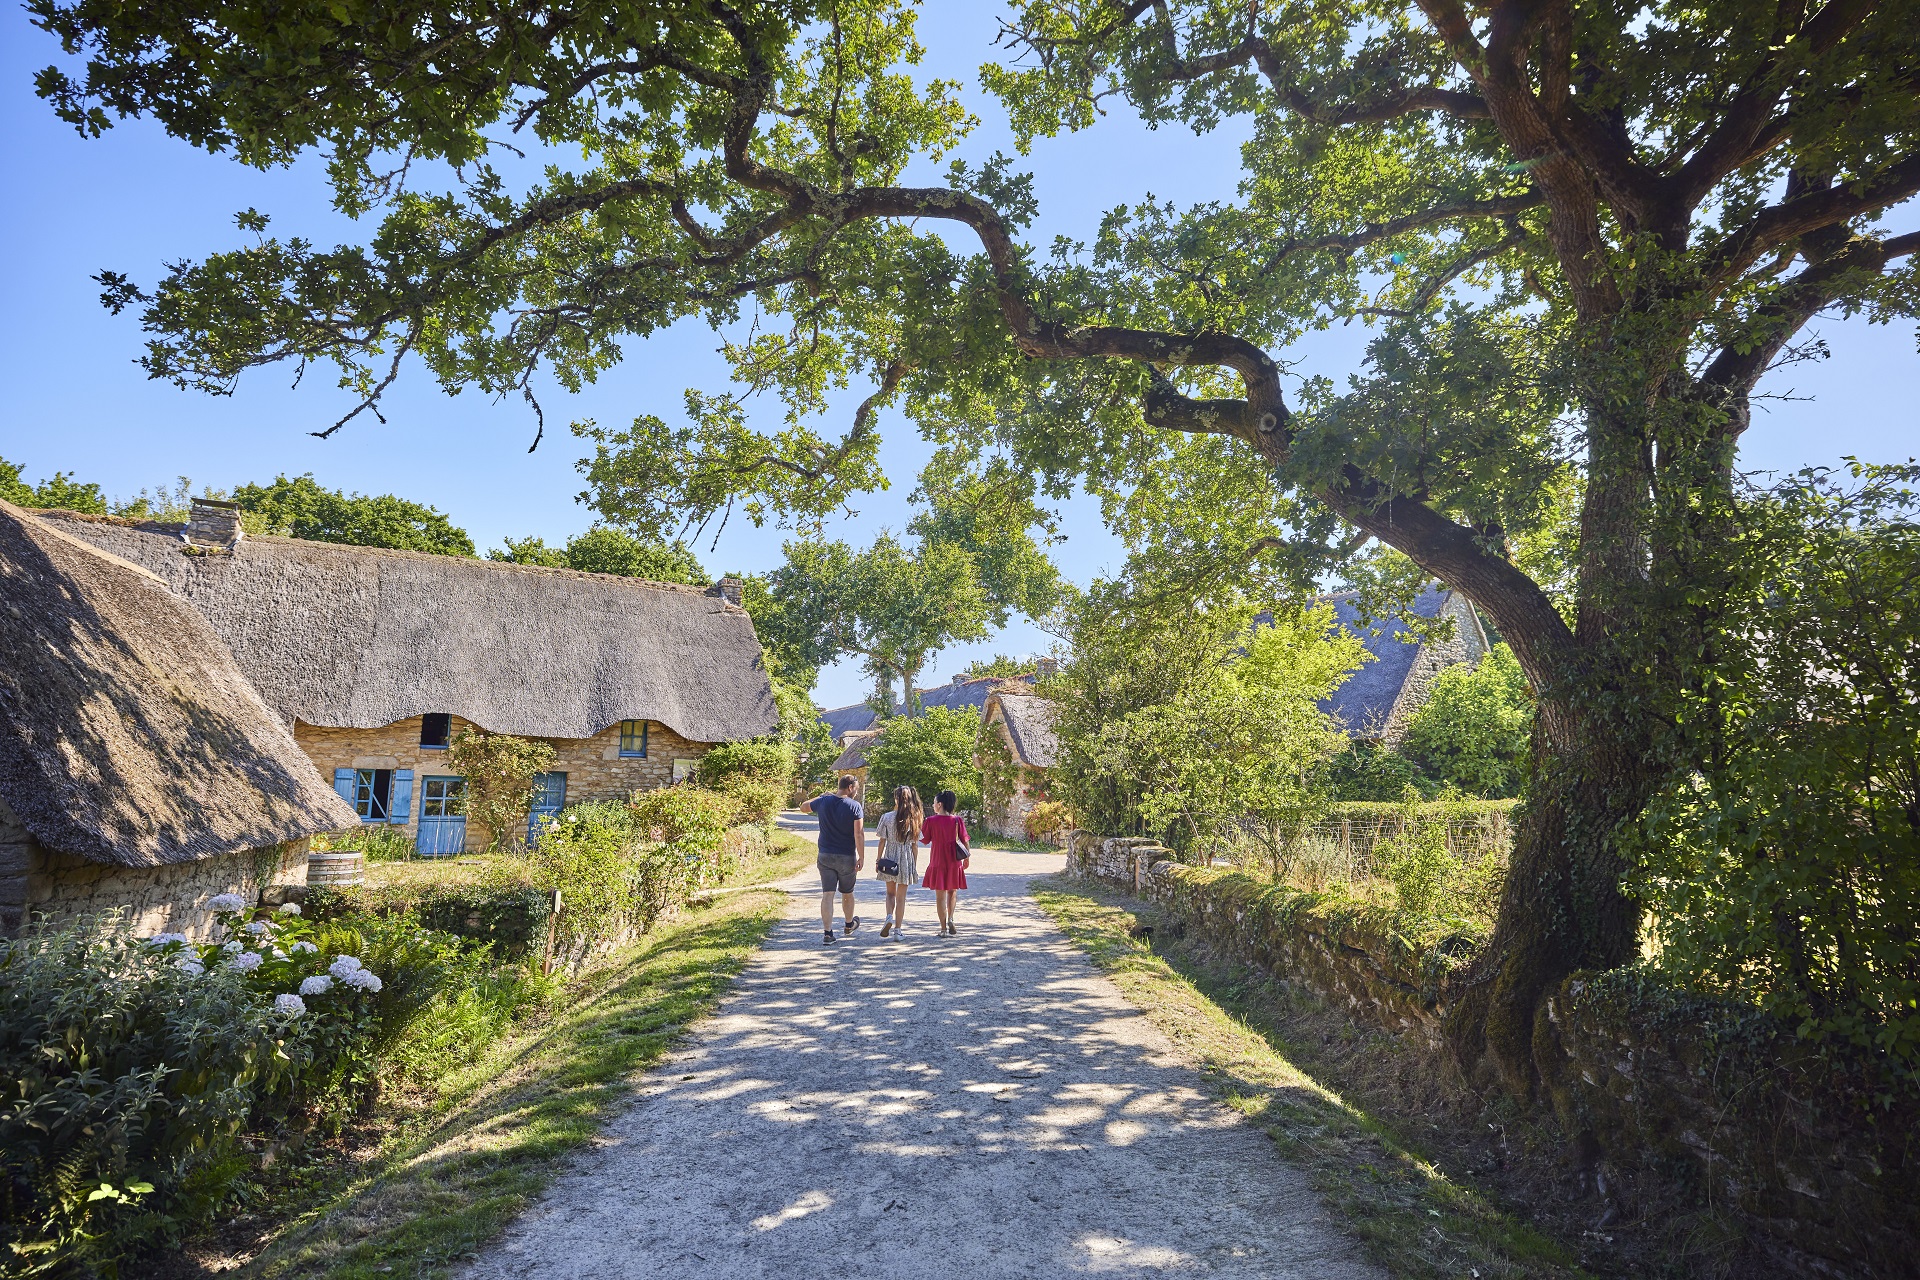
x=1412, y=1218
x=436, y=1172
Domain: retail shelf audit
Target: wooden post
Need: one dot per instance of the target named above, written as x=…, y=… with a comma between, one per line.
x=553, y=925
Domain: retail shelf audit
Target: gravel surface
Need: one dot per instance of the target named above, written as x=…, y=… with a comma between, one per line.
x=980, y=1106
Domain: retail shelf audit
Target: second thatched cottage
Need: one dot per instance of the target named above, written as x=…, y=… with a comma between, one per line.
x=378, y=659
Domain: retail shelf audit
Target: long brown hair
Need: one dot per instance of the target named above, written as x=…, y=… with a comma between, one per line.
x=906, y=814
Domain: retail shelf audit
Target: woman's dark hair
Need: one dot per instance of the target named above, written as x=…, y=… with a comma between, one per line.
x=906, y=814
x=947, y=801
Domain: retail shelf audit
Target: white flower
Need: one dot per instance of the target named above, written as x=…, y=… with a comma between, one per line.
x=318, y=985
x=288, y=1003
x=289, y=908
x=226, y=902
x=342, y=966
x=278, y=954
x=165, y=939
x=191, y=967
x=256, y=926
x=234, y=947
x=363, y=980
x=302, y=946
x=246, y=961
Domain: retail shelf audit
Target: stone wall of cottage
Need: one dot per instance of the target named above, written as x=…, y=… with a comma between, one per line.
x=594, y=767
x=1467, y=645
x=169, y=899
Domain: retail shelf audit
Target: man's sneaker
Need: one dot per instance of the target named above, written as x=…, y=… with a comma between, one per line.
x=850, y=926
x=828, y=938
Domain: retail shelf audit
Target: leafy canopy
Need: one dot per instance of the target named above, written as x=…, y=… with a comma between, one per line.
x=931, y=752
x=1472, y=731
x=300, y=508
x=606, y=550
x=58, y=490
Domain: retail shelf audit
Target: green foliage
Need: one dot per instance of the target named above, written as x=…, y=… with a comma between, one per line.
x=1369, y=771
x=1193, y=723
x=499, y=770
x=58, y=490
x=135, y=1067
x=608, y=550
x=300, y=508
x=1782, y=860
x=766, y=759
x=1474, y=727
x=998, y=665
x=587, y=853
x=504, y=913
x=931, y=752
x=379, y=841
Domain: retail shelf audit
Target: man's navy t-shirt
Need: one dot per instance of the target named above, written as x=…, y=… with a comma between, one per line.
x=839, y=819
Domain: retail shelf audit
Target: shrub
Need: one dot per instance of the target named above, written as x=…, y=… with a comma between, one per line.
x=754, y=800
x=586, y=852
x=1046, y=820
x=759, y=759
x=506, y=911
x=691, y=819
x=1473, y=729
x=499, y=770
x=133, y=1067
x=931, y=752
x=1368, y=771
x=378, y=841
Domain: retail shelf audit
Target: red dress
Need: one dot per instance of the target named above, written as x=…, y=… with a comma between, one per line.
x=946, y=832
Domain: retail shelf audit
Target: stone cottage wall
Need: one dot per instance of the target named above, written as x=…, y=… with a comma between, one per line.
x=594, y=767
x=1661, y=1088
x=172, y=898
x=1467, y=645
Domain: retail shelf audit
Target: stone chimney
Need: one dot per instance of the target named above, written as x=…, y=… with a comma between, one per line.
x=962, y=678
x=730, y=589
x=1046, y=669
x=214, y=525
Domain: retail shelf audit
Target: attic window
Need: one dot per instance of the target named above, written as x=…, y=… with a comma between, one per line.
x=633, y=738
x=435, y=728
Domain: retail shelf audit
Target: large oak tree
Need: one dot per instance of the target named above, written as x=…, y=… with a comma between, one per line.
x=1586, y=229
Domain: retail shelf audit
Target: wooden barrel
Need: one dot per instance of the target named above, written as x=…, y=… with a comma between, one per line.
x=336, y=866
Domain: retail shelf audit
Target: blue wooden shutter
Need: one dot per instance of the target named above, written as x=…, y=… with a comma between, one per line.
x=343, y=780
x=402, y=807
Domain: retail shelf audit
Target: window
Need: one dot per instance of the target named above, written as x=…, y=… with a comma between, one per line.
x=435, y=728
x=633, y=738
x=372, y=793
x=443, y=798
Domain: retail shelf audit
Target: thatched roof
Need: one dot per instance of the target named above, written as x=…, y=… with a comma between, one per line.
x=1030, y=726
x=359, y=637
x=855, y=754
x=127, y=732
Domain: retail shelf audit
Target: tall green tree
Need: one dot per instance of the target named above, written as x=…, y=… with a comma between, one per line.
x=301, y=508
x=1586, y=231
x=58, y=490
x=607, y=550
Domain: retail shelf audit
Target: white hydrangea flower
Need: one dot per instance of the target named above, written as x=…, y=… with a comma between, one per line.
x=303, y=946
x=226, y=902
x=233, y=948
x=191, y=967
x=318, y=985
x=363, y=980
x=343, y=965
x=278, y=954
x=165, y=939
x=289, y=908
x=247, y=961
x=288, y=1003
x=256, y=926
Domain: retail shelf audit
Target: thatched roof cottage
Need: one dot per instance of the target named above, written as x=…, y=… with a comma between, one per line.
x=139, y=769
x=1017, y=747
x=378, y=659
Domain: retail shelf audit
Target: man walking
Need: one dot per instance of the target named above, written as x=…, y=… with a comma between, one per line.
x=843, y=851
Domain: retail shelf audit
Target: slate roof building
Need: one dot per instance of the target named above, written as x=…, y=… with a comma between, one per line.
x=377, y=659
x=961, y=691
x=1375, y=702
x=139, y=768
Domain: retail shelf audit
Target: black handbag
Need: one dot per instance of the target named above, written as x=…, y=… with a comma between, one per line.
x=887, y=866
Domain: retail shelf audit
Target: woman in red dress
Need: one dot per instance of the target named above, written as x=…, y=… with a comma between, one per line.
x=946, y=870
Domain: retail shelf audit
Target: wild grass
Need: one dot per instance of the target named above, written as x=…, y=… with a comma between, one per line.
x=1413, y=1218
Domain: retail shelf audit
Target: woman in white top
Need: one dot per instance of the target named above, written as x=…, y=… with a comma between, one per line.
x=899, y=861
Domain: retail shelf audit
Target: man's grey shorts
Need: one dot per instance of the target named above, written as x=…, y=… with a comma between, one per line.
x=836, y=871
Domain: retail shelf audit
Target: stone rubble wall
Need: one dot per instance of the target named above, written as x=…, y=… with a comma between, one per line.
x=1655, y=1086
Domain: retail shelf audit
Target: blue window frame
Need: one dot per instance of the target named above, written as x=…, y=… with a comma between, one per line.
x=633, y=738
x=372, y=793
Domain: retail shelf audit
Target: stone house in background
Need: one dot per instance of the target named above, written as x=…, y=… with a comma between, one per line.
x=1017, y=748
x=1375, y=702
x=961, y=691
x=139, y=769
x=852, y=762
x=378, y=659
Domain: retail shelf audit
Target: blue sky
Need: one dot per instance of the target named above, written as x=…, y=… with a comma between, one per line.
x=130, y=201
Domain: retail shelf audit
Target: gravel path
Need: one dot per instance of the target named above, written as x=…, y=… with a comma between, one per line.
x=981, y=1106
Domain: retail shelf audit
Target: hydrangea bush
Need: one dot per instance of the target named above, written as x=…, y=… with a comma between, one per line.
x=133, y=1068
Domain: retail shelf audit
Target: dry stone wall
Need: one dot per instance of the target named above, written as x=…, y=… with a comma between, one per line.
x=1666, y=1088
